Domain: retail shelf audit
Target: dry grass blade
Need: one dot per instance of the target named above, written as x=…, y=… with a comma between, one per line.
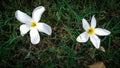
x=97, y=65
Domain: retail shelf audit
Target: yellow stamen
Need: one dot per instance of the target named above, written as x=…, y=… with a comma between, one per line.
x=33, y=24
x=91, y=31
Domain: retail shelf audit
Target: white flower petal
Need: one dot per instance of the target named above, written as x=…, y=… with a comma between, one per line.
x=42, y=27
x=101, y=32
x=24, y=29
x=22, y=17
x=85, y=24
x=93, y=22
x=37, y=13
x=83, y=37
x=95, y=40
x=34, y=36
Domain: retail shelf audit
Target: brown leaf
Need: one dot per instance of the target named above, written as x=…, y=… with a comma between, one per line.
x=97, y=65
x=102, y=48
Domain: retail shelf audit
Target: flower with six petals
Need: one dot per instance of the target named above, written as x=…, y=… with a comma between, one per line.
x=32, y=24
x=92, y=32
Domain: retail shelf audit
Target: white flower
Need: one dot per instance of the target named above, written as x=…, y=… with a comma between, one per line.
x=92, y=32
x=32, y=24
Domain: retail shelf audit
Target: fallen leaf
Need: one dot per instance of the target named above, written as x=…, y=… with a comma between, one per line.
x=102, y=48
x=97, y=65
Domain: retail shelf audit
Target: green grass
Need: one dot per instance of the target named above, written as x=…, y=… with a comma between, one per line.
x=60, y=50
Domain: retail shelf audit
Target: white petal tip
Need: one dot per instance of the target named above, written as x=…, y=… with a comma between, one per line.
x=41, y=7
x=16, y=13
x=22, y=35
x=17, y=10
x=34, y=35
x=80, y=40
x=37, y=13
x=22, y=17
x=102, y=32
x=109, y=33
x=35, y=43
x=95, y=41
x=50, y=32
x=97, y=47
x=93, y=15
x=83, y=19
x=42, y=27
x=83, y=37
x=77, y=40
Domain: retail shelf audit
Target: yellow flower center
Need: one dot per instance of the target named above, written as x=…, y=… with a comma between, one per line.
x=33, y=24
x=91, y=31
